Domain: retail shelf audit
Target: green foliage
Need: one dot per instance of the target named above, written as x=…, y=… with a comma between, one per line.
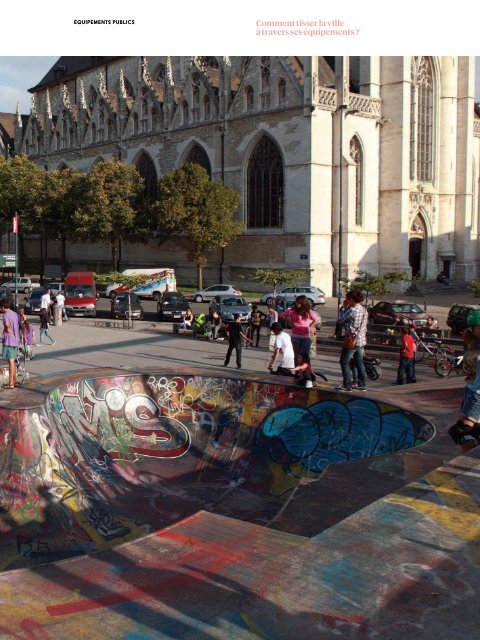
x=280, y=277
x=475, y=287
x=108, y=213
x=122, y=279
x=372, y=285
x=190, y=204
x=20, y=190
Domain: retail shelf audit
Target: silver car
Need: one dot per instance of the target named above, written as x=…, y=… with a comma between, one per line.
x=314, y=294
x=215, y=290
x=228, y=305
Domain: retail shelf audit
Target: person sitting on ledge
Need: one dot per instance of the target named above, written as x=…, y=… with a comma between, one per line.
x=443, y=278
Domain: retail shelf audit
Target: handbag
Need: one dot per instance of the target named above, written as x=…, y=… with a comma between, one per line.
x=350, y=341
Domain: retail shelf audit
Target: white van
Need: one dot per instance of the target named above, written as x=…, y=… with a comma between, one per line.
x=160, y=279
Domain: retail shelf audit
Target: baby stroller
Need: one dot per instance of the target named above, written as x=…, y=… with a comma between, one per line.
x=202, y=327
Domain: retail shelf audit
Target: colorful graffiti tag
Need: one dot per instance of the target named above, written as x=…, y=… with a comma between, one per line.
x=108, y=459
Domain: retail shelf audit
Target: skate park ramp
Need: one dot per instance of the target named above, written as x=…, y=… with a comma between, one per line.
x=109, y=459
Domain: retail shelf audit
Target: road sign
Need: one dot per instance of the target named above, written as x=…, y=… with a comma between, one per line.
x=7, y=260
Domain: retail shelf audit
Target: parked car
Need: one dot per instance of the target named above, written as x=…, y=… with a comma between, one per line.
x=56, y=286
x=215, y=290
x=457, y=317
x=228, y=305
x=32, y=304
x=314, y=294
x=5, y=294
x=24, y=285
x=282, y=305
x=397, y=313
x=121, y=304
x=172, y=306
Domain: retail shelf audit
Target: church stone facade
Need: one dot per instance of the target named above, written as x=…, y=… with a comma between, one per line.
x=342, y=163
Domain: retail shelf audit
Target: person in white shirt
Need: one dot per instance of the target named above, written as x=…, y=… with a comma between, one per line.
x=60, y=300
x=283, y=345
x=46, y=302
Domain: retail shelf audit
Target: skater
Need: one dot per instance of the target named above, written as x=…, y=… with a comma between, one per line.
x=235, y=337
x=44, y=328
x=466, y=431
x=303, y=373
x=283, y=345
x=407, y=355
x=255, y=323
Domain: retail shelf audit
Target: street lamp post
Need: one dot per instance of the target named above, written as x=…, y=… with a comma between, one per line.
x=343, y=109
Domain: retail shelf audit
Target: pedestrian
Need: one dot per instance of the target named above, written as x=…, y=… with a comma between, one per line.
x=187, y=320
x=60, y=300
x=216, y=323
x=283, y=344
x=407, y=355
x=44, y=332
x=256, y=318
x=412, y=330
x=46, y=303
x=353, y=318
x=11, y=341
x=303, y=373
x=302, y=318
x=272, y=316
x=27, y=335
x=235, y=336
x=466, y=431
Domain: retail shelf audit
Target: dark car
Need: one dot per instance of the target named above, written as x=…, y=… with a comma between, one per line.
x=172, y=306
x=457, y=317
x=398, y=313
x=32, y=305
x=125, y=302
x=229, y=305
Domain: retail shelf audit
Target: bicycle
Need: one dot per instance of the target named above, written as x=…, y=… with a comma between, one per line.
x=21, y=364
x=450, y=362
x=433, y=348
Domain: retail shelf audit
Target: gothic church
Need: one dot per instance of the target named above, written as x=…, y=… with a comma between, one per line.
x=342, y=163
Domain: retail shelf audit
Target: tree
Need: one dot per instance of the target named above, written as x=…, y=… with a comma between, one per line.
x=20, y=190
x=129, y=281
x=191, y=204
x=372, y=285
x=280, y=277
x=109, y=212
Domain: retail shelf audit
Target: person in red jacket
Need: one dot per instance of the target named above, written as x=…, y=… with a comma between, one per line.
x=407, y=355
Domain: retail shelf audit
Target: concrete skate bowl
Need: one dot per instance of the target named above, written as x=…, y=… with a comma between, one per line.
x=109, y=459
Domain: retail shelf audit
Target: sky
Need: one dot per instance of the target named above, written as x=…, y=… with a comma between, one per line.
x=19, y=73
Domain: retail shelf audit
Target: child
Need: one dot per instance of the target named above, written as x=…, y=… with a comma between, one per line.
x=44, y=327
x=255, y=324
x=28, y=335
x=303, y=372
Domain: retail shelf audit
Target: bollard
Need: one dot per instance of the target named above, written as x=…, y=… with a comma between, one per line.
x=57, y=316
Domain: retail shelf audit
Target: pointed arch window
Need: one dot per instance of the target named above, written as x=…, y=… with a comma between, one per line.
x=282, y=91
x=265, y=186
x=198, y=156
x=265, y=82
x=185, y=114
x=160, y=73
x=146, y=169
x=92, y=98
x=249, y=98
x=154, y=119
x=195, y=97
x=422, y=95
x=94, y=133
x=135, y=123
x=206, y=108
x=356, y=154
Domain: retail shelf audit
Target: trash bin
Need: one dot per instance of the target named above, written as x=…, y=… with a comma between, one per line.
x=57, y=316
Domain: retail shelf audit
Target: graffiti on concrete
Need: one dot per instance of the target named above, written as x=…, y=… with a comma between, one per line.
x=106, y=459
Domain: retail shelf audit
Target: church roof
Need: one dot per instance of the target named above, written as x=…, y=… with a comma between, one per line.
x=67, y=67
